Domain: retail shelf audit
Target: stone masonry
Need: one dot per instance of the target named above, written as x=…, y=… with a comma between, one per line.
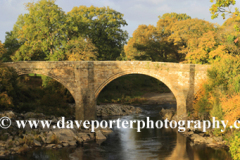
x=86, y=79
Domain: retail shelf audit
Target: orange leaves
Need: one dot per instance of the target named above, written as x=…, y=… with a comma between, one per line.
x=152, y=43
x=205, y=49
x=231, y=107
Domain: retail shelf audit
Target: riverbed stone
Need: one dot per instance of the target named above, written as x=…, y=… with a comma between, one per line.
x=167, y=113
x=84, y=136
x=65, y=144
x=36, y=143
x=72, y=143
x=64, y=135
x=99, y=135
x=50, y=145
x=116, y=110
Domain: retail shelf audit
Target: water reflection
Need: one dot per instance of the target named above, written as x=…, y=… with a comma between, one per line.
x=128, y=144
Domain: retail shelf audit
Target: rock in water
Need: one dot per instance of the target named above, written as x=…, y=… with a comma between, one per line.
x=99, y=135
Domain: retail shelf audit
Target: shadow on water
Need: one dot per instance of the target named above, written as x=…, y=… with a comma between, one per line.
x=128, y=144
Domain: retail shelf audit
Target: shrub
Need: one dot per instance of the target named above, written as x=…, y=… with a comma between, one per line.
x=235, y=146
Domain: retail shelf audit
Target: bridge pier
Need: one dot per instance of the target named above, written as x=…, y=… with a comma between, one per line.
x=85, y=109
x=85, y=97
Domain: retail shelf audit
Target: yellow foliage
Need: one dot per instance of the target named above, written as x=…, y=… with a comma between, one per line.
x=231, y=107
x=81, y=50
x=200, y=94
x=2, y=49
x=5, y=100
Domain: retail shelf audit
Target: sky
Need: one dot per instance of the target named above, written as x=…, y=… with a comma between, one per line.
x=136, y=12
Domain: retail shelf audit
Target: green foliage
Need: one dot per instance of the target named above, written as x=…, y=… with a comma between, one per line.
x=46, y=32
x=235, y=145
x=12, y=45
x=152, y=43
x=179, y=17
x=8, y=88
x=43, y=32
x=102, y=26
x=223, y=79
x=79, y=49
x=224, y=7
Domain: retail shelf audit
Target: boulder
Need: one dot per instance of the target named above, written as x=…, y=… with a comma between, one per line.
x=65, y=144
x=167, y=113
x=84, y=136
x=99, y=135
x=50, y=145
x=36, y=143
x=116, y=110
x=72, y=143
x=64, y=135
x=10, y=114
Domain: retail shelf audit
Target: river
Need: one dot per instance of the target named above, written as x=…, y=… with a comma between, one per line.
x=128, y=144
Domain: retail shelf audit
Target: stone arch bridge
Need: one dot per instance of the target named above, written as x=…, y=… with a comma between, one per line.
x=86, y=79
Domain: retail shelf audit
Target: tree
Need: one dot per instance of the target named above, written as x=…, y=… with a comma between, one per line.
x=43, y=32
x=2, y=49
x=151, y=43
x=12, y=45
x=224, y=7
x=102, y=26
x=80, y=49
x=8, y=87
x=184, y=32
x=165, y=26
x=144, y=45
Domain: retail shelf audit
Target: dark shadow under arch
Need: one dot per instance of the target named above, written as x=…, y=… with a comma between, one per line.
x=117, y=81
x=54, y=97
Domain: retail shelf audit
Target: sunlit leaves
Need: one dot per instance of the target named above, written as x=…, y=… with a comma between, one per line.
x=152, y=43
x=8, y=83
x=81, y=49
x=224, y=7
x=43, y=31
x=102, y=26
x=2, y=49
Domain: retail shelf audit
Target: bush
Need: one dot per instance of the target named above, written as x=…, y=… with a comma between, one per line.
x=219, y=95
x=235, y=146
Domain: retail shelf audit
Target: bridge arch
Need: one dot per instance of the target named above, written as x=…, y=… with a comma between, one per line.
x=177, y=92
x=21, y=73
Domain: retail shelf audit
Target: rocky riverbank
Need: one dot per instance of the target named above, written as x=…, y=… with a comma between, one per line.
x=197, y=136
x=116, y=110
x=18, y=141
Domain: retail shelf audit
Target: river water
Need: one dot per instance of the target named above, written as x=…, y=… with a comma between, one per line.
x=128, y=144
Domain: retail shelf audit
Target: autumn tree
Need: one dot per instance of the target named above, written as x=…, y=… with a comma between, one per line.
x=151, y=43
x=44, y=34
x=79, y=49
x=2, y=49
x=144, y=45
x=165, y=29
x=224, y=7
x=102, y=26
x=11, y=45
x=9, y=96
